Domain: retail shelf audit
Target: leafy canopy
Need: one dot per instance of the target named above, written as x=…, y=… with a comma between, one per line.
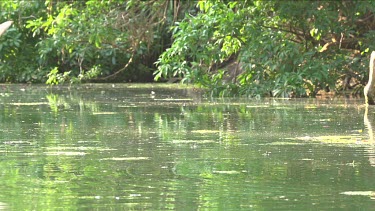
x=277, y=48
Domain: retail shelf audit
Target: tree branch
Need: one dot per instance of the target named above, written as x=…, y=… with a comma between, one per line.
x=120, y=70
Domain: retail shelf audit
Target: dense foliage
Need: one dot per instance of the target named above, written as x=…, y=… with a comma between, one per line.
x=279, y=48
x=252, y=48
x=70, y=41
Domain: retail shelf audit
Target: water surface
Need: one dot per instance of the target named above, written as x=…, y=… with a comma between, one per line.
x=153, y=147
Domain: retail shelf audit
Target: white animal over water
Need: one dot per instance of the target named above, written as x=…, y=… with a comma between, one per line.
x=4, y=26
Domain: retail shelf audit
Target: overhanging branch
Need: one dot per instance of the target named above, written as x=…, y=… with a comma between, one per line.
x=120, y=70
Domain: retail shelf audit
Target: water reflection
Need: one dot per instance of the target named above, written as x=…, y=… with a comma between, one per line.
x=368, y=120
x=155, y=148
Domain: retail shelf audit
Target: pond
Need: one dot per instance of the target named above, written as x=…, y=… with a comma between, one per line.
x=158, y=147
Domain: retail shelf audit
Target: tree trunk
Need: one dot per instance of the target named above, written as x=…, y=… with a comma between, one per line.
x=4, y=26
x=369, y=90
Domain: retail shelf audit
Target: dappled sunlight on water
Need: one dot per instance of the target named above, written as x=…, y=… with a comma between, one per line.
x=155, y=147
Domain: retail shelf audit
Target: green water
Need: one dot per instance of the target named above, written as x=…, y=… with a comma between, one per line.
x=148, y=147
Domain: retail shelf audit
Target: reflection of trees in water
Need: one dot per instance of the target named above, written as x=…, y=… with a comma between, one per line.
x=368, y=124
